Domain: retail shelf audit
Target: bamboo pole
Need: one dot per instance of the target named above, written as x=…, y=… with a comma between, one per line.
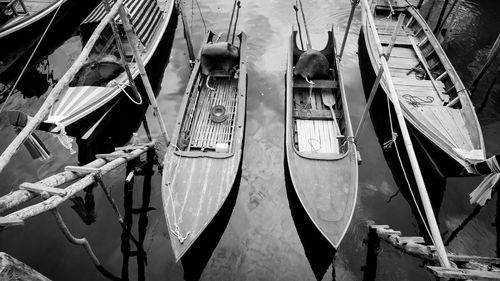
x=187, y=34
x=72, y=189
x=17, y=197
x=379, y=75
x=121, y=51
x=42, y=113
x=132, y=38
x=431, y=219
x=354, y=4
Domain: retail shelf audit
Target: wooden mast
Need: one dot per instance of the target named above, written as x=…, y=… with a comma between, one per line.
x=429, y=212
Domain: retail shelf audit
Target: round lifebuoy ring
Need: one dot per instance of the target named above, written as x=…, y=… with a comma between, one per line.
x=218, y=114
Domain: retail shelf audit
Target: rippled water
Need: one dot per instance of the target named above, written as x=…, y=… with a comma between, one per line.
x=261, y=233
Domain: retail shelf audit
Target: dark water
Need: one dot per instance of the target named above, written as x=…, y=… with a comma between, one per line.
x=262, y=233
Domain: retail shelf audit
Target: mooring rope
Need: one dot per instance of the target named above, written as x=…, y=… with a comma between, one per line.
x=31, y=56
x=64, y=139
x=114, y=83
x=404, y=173
x=176, y=230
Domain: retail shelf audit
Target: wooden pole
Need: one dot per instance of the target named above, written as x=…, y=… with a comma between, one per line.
x=123, y=60
x=72, y=189
x=42, y=113
x=495, y=50
x=379, y=75
x=132, y=38
x=308, y=43
x=17, y=197
x=187, y=34
x=431, y=219
x=354, y=4
x=231, y=21
x=419, y=5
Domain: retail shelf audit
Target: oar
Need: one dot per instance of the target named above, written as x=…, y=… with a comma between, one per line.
x=236, y=21
x=308, y=43
x=231, y=21
x=298, y=25
x=329, y=101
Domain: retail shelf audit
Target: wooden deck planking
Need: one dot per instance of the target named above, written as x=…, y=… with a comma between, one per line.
x=450, y=123
x=317, y=136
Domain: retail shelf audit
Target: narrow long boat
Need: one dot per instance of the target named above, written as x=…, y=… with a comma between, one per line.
x=432, y=96
x=103, y=79
x=320, y=152
x=205, y=153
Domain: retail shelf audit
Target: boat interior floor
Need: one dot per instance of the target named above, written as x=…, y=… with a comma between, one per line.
x=315, y=130
x=419, y=95
x=204, y=131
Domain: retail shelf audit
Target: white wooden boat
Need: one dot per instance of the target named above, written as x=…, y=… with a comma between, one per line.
x=437, y=106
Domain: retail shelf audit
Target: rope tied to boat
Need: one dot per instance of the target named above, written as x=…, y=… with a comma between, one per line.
x=417, y=101
x=405, y=174
x=64, y=139
x=122, y=86
x=176, y=230
x=389, y=143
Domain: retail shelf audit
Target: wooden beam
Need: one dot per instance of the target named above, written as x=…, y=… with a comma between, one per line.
x=113, y=155
x=82, y=169
x=318, y=84
x=456, y=273
x=13, y=269
x=40, y=188
x=9, y=222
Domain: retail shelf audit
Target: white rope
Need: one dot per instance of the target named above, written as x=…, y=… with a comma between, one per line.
x=122, y=86
x=176, y=230
x=64, y=139
x=31, y=56
x=406, y=176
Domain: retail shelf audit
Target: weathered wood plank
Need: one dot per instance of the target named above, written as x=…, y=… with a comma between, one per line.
x=457, y=273
x=39, y=188
x=318, y=84
x=81, y=169
x=315, y=114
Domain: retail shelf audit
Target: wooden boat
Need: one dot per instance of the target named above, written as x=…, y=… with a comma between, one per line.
x=103, y=79
x=320, y=151
x=437, y=106
x=205, y=153
x=17, y=15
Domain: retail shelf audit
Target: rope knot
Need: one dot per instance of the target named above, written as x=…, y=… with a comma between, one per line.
x=389, y=143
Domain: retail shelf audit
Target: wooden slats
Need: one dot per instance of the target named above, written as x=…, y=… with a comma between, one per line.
x=317, y=136
x=316, y=114
x=458, y=273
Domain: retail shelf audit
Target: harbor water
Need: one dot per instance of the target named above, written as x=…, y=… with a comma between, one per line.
x=261, y=232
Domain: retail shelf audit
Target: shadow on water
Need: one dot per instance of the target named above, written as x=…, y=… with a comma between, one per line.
x=102, y=133
x=196, y=258
x=319, y=252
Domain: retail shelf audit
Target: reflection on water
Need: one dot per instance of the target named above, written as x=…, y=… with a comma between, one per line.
x=265, y=237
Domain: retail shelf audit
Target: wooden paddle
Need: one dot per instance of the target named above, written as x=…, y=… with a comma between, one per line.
x=329, y=101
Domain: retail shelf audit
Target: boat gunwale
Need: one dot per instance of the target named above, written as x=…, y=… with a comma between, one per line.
x=11, y=27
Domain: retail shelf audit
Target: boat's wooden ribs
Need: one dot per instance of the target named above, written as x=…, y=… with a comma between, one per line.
x=204, y=133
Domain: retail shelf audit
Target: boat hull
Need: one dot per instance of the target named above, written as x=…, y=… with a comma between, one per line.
x=325, y=184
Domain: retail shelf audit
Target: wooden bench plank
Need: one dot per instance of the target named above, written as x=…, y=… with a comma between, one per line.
x=318, y=84
x=316, y=114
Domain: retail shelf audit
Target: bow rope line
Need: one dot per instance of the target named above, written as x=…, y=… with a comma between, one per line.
x=406, y=177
